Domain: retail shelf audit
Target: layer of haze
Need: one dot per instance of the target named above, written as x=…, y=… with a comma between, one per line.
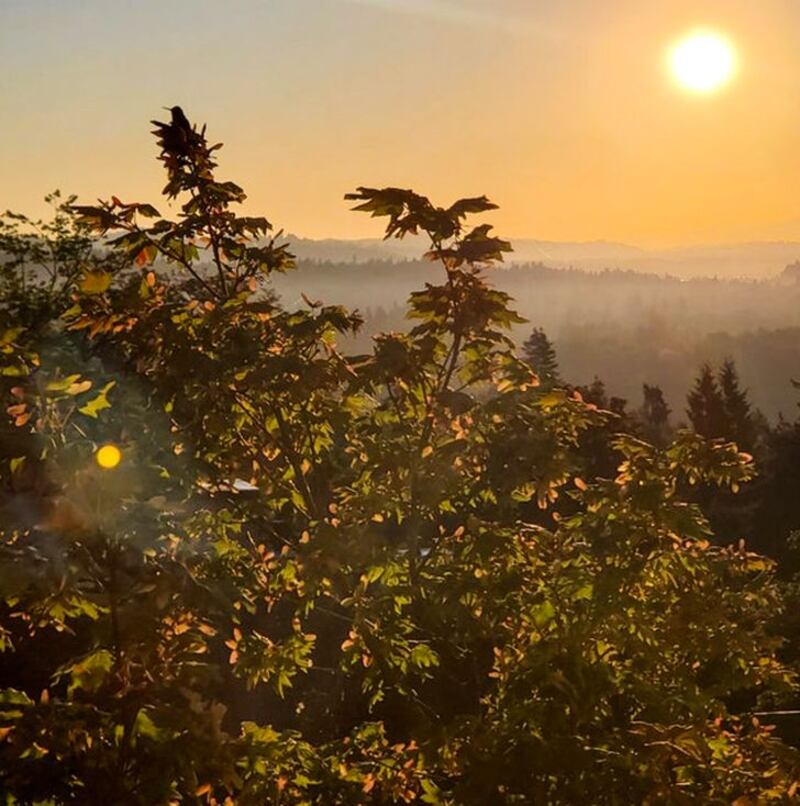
x=562, y=112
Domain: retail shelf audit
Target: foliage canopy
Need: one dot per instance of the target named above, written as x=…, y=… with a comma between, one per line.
x=319, y=578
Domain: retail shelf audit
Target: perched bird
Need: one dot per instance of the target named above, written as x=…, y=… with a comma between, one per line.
x=179, y=120
x=178, y=135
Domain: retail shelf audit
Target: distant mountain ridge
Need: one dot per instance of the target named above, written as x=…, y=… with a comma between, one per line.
x=756, y=260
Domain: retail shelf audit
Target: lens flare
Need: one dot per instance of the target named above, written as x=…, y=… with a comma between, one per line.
x=108, y=457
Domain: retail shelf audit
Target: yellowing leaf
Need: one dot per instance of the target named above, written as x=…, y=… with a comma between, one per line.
x=79, y=388
x=146, y=255
x=98, y=403
x=95, y=282
x=7, y=336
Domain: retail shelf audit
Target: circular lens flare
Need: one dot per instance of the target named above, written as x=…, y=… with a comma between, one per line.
x=108, y=457
x=703, y=62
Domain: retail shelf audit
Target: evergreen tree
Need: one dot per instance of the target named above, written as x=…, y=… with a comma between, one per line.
x=595, y=393
x=539, y=352
x=598, y=454
x=791, y=274
x=654, y=414
x=706, y=409
x=740, y=422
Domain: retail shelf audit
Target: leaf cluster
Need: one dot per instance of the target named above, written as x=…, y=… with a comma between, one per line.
x=322, y=578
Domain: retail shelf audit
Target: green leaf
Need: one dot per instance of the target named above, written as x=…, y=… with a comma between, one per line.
x=423, y=656
x=91, y=672
x=144, y=726
x=543, y=614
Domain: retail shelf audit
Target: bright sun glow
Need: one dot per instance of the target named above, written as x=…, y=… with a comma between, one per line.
x=703, y=62
x=108, y=457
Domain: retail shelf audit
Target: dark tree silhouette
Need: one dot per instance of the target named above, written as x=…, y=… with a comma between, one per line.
x=654, y=414
x=706, y=409
x=740, y=423
x=539, y=352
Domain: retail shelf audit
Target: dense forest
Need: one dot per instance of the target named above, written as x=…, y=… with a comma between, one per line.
x=255, y=550
x=628, y=328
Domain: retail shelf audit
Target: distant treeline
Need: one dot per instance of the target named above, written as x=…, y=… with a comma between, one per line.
x=626, y=327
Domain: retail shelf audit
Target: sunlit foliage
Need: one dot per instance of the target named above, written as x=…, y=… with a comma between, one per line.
x=319, y=578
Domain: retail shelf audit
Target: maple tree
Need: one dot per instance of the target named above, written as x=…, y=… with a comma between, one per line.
x=321, y=578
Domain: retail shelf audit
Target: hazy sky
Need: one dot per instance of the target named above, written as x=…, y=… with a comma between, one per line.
x=562, y=111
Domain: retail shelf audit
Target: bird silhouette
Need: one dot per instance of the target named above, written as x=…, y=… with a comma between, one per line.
x=179, y=120
x=178, y=135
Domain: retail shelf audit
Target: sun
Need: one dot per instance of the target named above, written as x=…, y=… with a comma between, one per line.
x=703, y=62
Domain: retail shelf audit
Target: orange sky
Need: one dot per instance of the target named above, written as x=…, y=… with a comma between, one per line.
x=561, y=111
